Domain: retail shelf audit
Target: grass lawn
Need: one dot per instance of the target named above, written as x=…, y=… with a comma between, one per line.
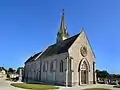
x=34, y=86
x=97, y=89
x=117, y=86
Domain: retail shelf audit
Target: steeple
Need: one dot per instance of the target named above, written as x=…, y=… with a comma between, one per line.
x=62, y=33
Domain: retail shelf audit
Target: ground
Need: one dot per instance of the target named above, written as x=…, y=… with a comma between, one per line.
x=5, y=85
x=89, y=86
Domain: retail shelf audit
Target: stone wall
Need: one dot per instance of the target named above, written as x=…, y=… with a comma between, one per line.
x=75, y=53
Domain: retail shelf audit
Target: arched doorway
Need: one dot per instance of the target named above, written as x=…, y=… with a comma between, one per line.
x=83, y=72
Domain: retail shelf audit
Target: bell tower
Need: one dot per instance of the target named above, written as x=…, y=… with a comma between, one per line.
x=62, y=33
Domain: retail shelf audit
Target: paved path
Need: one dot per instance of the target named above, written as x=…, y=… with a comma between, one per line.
x=5, y=85
x=89, y=86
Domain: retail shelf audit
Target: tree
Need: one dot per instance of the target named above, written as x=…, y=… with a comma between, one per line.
x=11, y=70
x=18, y=69
x=97, y=73
x=102, y=74
x=118, y=76
x=114, y=76
x=105, y=74
x=8, y=76
x=2, y=68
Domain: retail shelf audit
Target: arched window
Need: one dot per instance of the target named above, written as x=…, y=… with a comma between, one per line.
x=84, y=65
x=44, y=67
x=61, y=66
x=51, y=66
x=54, y=65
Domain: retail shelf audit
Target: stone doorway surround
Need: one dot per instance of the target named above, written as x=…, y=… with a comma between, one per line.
x=83, y=72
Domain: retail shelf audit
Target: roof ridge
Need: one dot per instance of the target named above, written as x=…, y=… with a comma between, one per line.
x=56, y=48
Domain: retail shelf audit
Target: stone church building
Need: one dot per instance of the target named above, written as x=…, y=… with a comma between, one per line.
x=70, y=61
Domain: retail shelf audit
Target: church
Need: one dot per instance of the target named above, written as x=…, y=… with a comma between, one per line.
x=69, y=62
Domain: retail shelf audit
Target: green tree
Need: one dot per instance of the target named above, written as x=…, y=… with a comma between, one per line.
x=11, y=70
x=105, y=74
x=18, y=69
x=102, y=74
x=0, y=69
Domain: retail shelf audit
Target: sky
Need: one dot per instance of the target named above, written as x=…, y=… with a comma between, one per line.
x=29, y=26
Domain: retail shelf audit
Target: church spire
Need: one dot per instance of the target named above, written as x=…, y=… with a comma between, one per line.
x=62, y=33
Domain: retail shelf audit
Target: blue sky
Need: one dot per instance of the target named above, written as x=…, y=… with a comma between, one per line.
x=29, y=26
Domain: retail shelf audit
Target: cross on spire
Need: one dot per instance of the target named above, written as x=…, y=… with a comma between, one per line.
x=62, y=33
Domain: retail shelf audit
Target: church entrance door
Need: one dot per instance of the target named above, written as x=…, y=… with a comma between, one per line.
x=83, y=77
x=83, y=72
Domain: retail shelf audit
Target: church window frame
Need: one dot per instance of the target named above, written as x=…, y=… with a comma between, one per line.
x=44, y=67
x=51, y=66
x=54, y=65
x=61, y=66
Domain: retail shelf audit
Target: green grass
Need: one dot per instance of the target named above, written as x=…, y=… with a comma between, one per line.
x=116, y=86
x=34, y=86
x=97, y=89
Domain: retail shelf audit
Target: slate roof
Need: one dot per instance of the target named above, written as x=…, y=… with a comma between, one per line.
x=32, y=58
x=59, y=47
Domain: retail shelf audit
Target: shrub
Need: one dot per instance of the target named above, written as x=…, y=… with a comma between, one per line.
x=8, y=76
x=117, y=86
x=119, y=82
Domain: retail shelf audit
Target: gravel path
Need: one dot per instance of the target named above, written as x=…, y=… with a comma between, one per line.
x=89, y=86
x=5, y=85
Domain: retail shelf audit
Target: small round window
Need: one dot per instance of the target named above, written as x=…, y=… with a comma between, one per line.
x=83, y=51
